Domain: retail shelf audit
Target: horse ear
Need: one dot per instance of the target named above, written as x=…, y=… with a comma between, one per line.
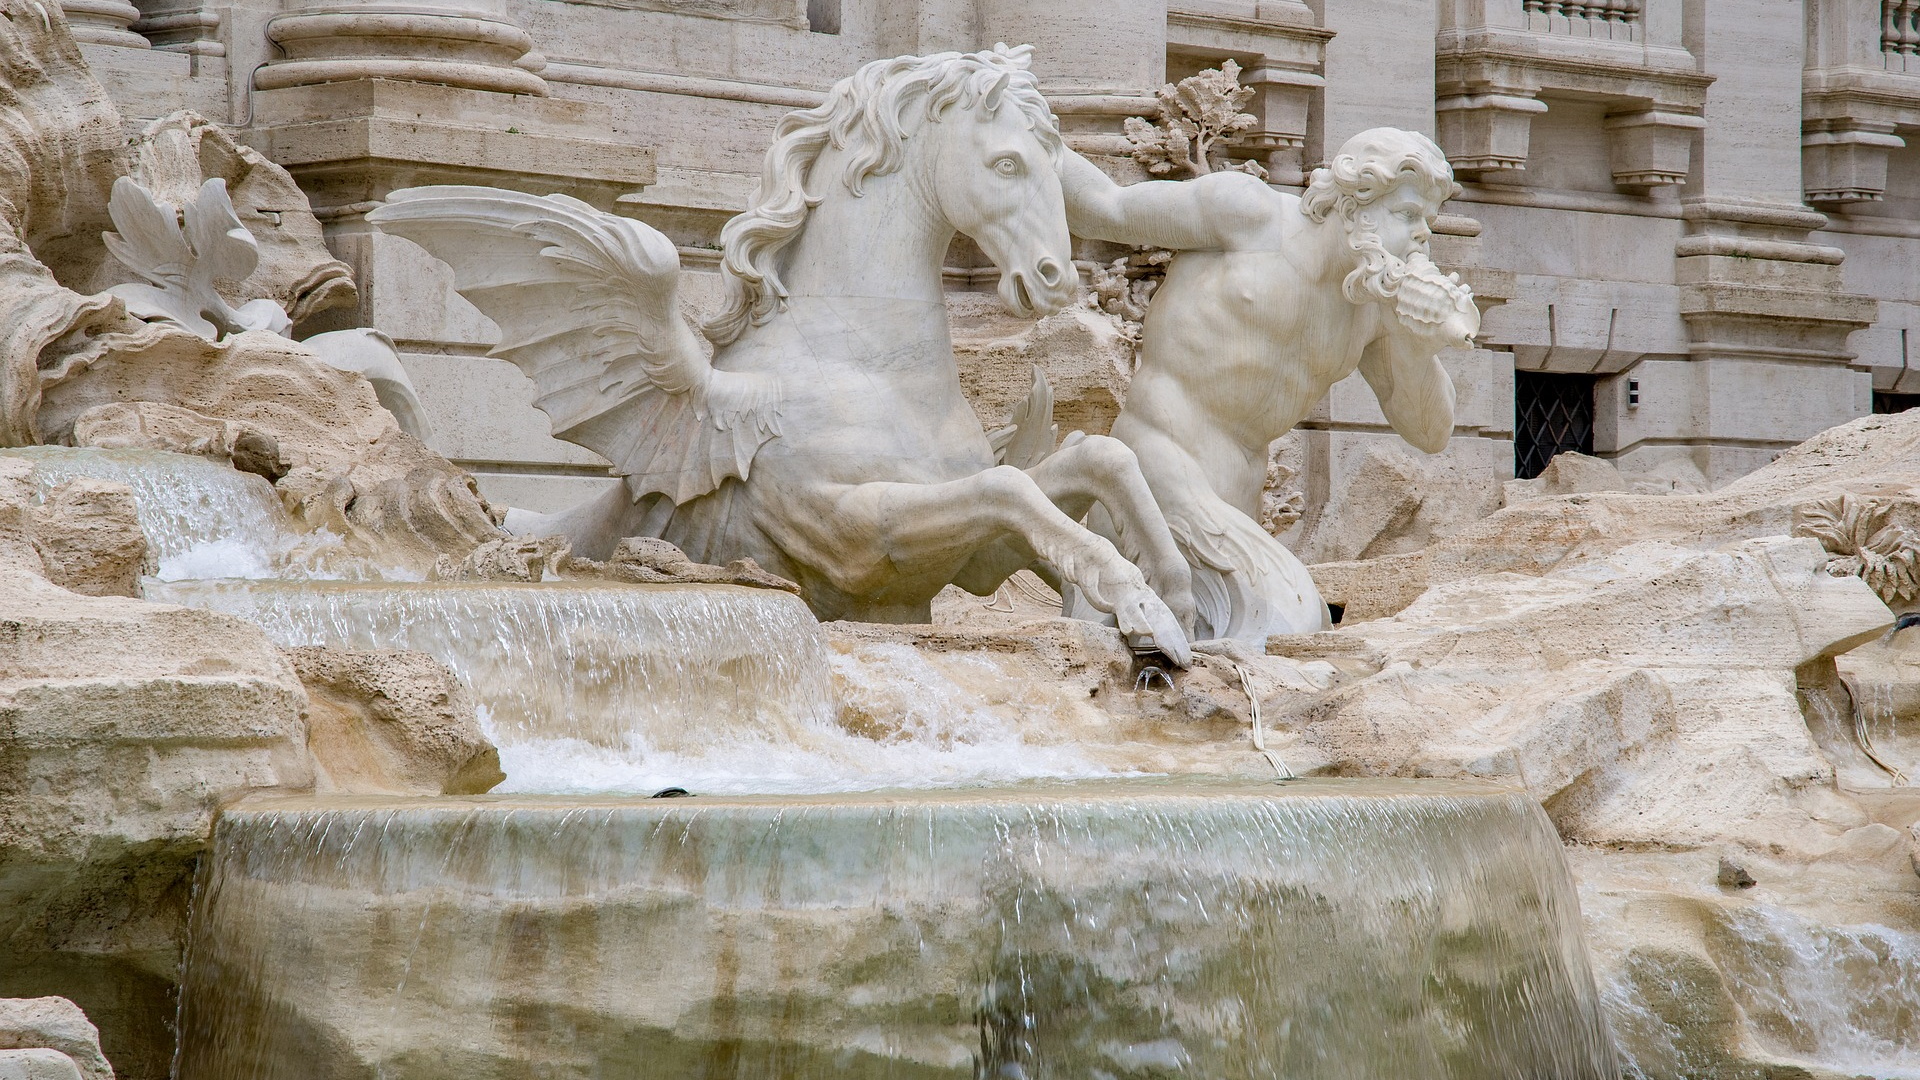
x=991, y=103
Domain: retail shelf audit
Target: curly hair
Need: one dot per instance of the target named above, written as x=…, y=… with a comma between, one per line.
x=1368, y=166
x=866, y=113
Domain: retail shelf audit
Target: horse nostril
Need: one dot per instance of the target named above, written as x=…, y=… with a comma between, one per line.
x=1050, y=273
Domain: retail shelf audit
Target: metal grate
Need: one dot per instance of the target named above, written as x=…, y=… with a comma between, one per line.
x=1887, y=402
x=1551, y=414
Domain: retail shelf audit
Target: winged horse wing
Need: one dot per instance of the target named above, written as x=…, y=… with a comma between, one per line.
x=588, y=307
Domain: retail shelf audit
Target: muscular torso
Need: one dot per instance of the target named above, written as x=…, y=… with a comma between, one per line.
x=1237, y=348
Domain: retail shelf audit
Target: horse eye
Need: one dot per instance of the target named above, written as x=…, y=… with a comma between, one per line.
x=1006, y=166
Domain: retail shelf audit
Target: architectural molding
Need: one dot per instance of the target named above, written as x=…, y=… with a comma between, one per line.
x=1489, y=80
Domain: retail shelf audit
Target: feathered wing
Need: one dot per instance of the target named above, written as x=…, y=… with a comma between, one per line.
x=588, y=307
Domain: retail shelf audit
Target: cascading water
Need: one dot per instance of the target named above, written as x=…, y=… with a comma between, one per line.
x=595, y=687
x=1125, y=929
x=203, y=519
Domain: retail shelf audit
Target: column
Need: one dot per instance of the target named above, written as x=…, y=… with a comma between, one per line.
x=473, y=47
x=103, y=22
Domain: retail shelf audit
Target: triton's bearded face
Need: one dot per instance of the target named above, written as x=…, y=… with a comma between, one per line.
x=1388, y=237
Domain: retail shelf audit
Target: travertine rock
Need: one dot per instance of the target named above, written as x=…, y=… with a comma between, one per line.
x=37, y=1065
x=154, y=425
x=653, y=561
x=1874, y=456
x=513, y=558
x=89, y=539
x=1646, y=699
x=346, y=463
x=1087, y=359
x=1569, y=473
x=392, y=723
x=54, y=1025
x=123, y=727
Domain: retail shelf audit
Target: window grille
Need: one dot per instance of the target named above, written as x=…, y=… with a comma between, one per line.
x=1552, y=414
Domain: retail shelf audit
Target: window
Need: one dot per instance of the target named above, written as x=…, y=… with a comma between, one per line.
x=1552, y=414
x=1885, y=402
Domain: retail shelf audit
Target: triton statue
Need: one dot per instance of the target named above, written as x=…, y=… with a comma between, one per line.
x=1271, y=299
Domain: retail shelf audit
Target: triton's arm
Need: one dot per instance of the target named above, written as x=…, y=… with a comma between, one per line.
x=1219, y=211
x=1414, y=390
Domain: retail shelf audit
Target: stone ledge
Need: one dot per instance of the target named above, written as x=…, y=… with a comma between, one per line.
x=356, y=141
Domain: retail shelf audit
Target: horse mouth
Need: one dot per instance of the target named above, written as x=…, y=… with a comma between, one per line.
x=1022, y=298
x=1022, y=301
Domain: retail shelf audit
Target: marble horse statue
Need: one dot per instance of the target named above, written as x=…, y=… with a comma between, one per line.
x=826, y=437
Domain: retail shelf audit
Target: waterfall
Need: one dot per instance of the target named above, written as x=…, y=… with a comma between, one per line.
x=1129, y=929
x=203, y=519
x=593, y=687
x=1842, y=999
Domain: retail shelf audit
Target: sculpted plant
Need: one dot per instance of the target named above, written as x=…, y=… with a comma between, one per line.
x=1871, y=546
x=1196, y=113
x=181, y=265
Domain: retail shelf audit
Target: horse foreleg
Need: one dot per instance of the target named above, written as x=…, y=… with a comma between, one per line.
x=1103, y=470
x=913, y=527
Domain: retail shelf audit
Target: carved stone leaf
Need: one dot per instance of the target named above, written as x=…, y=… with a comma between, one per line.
x=221, y=244
x=1871, y=546
x=149, y=241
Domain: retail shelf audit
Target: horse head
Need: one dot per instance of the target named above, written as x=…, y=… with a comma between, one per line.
x=994, y=171
x=927, y=145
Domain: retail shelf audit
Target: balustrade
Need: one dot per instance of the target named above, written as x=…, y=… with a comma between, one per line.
x=1898, y=32
x=1587, y=15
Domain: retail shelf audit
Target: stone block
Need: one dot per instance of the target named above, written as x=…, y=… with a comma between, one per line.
x=1840, y=167
x=352, y=142
x=540, y=493
x=1486, y=135
x=1651, y=148
x=482, y=412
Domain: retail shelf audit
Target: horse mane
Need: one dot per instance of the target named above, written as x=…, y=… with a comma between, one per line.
x=866, y=114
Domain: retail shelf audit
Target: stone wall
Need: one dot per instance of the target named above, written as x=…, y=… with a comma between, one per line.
x=1707, y=209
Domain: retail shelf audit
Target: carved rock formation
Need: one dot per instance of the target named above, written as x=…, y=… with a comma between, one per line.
x=392, y=723
x=68, y=347
x=50, y=1026
x=1877, y=455
x=344, y=462
x=124, y=726
x=89, y=539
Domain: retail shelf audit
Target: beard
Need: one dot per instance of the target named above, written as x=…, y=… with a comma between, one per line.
x=1425, y=300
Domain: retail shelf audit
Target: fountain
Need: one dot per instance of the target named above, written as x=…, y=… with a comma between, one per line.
x=1120, y=928
x=736, y=840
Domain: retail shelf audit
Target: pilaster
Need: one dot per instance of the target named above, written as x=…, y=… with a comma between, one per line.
x=1097, y=63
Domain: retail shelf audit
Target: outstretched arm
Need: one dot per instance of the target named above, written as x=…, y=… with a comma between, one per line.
x=1414, y=390
x=1209, y=213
